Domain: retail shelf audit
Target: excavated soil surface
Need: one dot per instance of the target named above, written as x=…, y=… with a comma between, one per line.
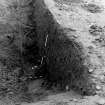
x=87, y=18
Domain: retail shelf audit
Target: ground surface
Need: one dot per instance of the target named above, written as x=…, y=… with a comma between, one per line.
x=88, y=25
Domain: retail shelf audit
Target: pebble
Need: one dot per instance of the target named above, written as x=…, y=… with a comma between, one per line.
x=101, y=101
x=67, y=88
x=74, y=99
x=102, y=77
x=95, y=76
x=91, y=70
x=98, y=87
x=17, y=104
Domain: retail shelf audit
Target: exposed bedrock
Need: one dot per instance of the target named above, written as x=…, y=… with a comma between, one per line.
x=31, y=30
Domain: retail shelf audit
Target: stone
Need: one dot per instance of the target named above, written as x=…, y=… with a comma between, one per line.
x=91, y=70
x=67, y=88
x=98, y=87
x=101, y=101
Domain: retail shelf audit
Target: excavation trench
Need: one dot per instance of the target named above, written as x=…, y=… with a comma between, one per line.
x=30, y=32
x=65, y=57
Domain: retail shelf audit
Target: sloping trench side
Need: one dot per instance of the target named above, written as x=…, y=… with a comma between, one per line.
x=86, y=18
x=28, y=26
x=64, y=54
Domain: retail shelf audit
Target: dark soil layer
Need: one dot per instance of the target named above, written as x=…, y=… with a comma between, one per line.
x=31, y=34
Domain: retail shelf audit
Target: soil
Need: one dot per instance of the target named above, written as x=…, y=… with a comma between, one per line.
x=88, y=19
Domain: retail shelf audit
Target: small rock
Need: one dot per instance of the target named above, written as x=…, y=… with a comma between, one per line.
x=102, y=77
x=10, y=93
x=34, y=67
x=101, y=101
x=98, y=87
x=95, y=76
x=17, y=104
x=91, y=70
x=95, y=30
x=93, y=8
x=74, y=99
x=67, y=88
